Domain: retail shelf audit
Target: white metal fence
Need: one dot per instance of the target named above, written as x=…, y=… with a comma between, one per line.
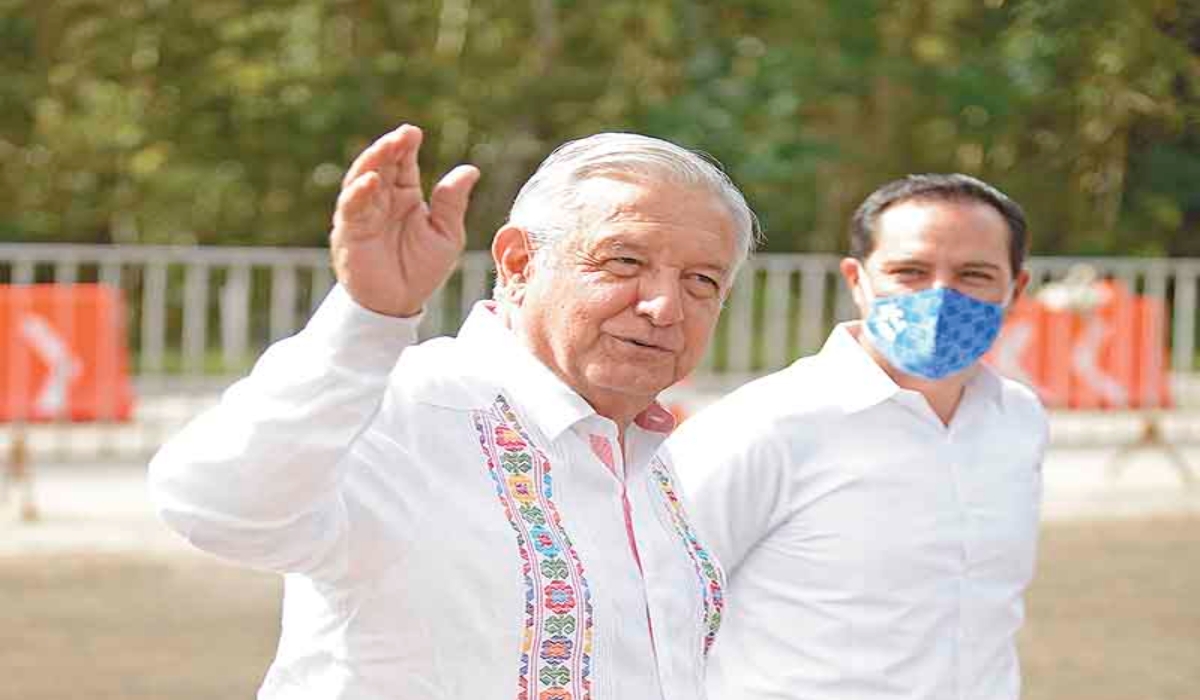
x=197, y=317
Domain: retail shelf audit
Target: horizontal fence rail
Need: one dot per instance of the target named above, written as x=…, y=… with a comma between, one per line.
x=197, y=317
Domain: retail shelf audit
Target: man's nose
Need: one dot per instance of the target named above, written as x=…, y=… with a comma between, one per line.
x=942, y=279
x=661, y=301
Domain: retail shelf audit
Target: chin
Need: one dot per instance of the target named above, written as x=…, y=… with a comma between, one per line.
x=630, y=381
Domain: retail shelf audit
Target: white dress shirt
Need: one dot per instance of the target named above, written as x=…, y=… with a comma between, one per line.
x=873, y=552
x=458, y=524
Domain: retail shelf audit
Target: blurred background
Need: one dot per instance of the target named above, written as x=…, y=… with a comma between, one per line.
x=229, y=122
x=168, y=170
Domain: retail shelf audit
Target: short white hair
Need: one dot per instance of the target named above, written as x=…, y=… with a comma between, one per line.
x=550, y=206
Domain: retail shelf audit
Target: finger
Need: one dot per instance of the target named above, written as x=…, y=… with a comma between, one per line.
x=449, y=199
x=386, y=152
x=404, y=170
x=357, y=197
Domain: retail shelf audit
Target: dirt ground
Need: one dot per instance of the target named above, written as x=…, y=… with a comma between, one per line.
x=1114, y=615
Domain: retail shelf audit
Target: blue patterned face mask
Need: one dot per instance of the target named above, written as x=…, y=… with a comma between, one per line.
x=932, y=333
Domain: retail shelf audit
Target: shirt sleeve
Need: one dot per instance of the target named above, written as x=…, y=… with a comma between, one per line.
x=734, y=476
x=255, y=479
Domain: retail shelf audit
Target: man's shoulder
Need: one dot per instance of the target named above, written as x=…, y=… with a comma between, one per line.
x=437, y=372
x=789, y=402
x=803, y=389
x=769, y=426
x=1021, y=399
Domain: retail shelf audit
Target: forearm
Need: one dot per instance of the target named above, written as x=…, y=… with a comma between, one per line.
x=256, y=478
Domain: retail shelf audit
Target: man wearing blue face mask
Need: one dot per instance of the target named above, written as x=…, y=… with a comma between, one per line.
x=876, y=505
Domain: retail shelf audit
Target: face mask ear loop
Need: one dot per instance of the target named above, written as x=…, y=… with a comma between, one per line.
x=1008, y=296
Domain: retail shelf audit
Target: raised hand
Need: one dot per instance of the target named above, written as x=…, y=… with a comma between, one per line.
x=390, y=249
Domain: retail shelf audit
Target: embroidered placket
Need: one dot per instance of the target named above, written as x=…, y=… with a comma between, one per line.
x=711, y=579
x=556, y=647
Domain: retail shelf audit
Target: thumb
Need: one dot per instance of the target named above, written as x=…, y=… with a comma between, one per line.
x=448, y=201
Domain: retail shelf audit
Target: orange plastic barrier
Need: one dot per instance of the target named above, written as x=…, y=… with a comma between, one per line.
x=63, y=354
x=1112, y=356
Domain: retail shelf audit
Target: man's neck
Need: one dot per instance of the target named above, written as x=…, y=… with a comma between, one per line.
x=943, y=395
x=619, y=410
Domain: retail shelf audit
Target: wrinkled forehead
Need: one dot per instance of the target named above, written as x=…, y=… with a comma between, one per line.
x=615, y=196
x=684, y=226
x=643, y=200
x=602, y=198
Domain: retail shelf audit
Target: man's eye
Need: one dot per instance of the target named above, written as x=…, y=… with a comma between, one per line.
x=703, y=286
x=978, y=275
x=623, y=265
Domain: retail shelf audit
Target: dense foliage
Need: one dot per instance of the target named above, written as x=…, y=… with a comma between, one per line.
x=226, y=121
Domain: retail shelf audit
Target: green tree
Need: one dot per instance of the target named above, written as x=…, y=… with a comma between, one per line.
x=231, y=122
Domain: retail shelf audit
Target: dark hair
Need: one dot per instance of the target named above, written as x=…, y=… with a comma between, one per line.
x=937, y=187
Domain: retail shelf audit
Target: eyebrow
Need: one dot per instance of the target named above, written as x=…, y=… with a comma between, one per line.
x=616, y=244
x=619, y=244
x=913, y=262
x=906, y=261
x=979, y=264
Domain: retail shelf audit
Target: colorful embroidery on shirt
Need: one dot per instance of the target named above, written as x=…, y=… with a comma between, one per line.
x=556, y=649
x=712, y=579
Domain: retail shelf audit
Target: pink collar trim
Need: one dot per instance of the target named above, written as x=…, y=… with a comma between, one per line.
x=656, y=419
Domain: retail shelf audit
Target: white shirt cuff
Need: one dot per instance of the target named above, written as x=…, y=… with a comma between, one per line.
x=342, y=325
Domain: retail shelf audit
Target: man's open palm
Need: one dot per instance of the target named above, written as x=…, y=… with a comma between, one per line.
x=390, y=248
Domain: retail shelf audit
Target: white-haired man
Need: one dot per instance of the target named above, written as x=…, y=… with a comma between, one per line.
x=486, y=516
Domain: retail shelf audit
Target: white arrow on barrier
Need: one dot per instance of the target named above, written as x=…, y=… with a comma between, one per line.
x=1007, y=352
x=62, y=366
x=1085, y=362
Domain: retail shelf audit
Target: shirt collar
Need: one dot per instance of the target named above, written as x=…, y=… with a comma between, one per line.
x=498, y=355
x=862, y=383
x=988, y=385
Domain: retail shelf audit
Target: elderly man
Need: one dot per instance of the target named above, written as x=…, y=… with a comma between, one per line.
x=485, y=517
x=876, y=505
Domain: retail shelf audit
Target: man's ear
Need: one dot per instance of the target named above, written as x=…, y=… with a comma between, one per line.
x=851, y=268
x=1019, y=286
x=513, y=256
